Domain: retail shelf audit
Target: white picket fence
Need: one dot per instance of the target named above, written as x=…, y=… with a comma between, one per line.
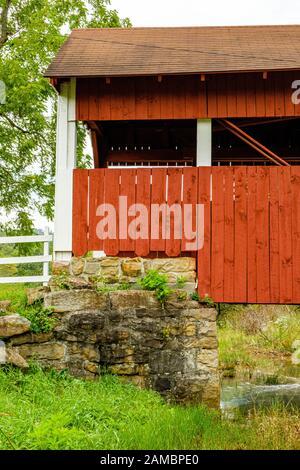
x=46, y=258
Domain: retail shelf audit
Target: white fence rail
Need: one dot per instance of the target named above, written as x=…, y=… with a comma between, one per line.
x=46, y=258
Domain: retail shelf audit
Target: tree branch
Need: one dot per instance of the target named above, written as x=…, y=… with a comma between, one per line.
x=4, y=22
x=13, y=124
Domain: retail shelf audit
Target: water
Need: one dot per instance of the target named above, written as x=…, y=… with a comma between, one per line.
x=263, y=391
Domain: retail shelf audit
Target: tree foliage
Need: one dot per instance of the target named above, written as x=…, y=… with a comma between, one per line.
x=31, y=32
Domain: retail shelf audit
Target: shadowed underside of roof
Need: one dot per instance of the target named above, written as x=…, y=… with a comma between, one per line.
x=112, y=52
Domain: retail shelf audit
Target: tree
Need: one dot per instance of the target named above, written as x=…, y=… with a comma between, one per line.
x=31, y=32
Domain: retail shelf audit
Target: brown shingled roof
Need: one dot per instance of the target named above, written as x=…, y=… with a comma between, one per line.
x=150, y=51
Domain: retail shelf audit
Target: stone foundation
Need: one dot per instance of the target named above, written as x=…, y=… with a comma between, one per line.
x=170, y=348
x=112, y=270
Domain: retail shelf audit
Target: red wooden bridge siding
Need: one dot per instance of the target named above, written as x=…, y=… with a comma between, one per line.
x=187, y=97
x=251, y=248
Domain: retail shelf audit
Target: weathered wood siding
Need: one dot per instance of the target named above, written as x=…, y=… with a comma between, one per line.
x=251, y=250
x=187, y=97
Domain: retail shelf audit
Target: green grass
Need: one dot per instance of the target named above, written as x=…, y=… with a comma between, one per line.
x=50, y=410
x=254, y=336
x=14, y=292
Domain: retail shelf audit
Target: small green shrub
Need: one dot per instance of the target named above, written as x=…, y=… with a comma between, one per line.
x=41, y=318
x=61, y=281
x=181, y=296
x=154, y=281
x=181, y=282
x=204, y=300
x=195, y=296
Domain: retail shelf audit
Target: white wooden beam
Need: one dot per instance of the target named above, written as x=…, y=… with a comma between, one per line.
x=65, y=164
x=204, y=142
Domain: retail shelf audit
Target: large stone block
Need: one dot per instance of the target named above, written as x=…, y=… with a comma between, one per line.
x=208, y=358
x=84, y=326
x=36, y=294
x=15, y=359
x=109, y=262
x=132, y=267
x=75, y=300
x=12, y=325
x=48, y=351
x=132, y=299
x=60, y=268
x=77, y=266
x=84, y=350
x=172, y=265
x=31, y=338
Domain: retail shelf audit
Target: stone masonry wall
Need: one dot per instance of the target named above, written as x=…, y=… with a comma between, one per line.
x=170, y=348
x=112, y=270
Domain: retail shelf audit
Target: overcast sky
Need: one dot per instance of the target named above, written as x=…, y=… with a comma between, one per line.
x=208, y=12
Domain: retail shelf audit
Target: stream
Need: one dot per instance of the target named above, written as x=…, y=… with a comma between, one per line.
x=263, y=390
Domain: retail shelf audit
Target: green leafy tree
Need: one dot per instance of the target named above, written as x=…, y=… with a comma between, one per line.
x=31, y=32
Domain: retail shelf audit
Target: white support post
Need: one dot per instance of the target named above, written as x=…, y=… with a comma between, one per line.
x=204, y=142
x=65, y=164
x=46, y=254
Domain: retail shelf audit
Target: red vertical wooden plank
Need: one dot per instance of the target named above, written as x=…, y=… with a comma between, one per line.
x=285, y=236
x=93, y=99
x=232, y=96
x=201, y=98
x=228, y=234
x=241, y=96
x=262, y=235
x=250, y=96
x=260, y=96
x=179, y=98
x=270, y=96
x=204, y=255
x=116, y=99
x=212, y=97
x=111, y=197
x=104, y=100
x=174, y=201
x=222, y=96
x=295, y=185
x=279, y=96
x=96, y=198
x=158, y=198
x=154, y=91
x=191, y=97
x=217, y=238
x=274, y=236
x=252, y=274
x=127, y=189
x=143, y=197
x=240, y=265
x=168, y=92
x=190, y=198
x=141, y=98
x=80, y=212
x=128, y=98
x=82, y=94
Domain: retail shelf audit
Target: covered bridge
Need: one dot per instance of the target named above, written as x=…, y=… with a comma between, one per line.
x=189, y=116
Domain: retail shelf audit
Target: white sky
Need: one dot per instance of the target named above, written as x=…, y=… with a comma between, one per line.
x=203, y=13
x=208, y=12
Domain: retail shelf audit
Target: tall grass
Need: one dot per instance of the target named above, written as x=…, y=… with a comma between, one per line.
x=51, y=410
